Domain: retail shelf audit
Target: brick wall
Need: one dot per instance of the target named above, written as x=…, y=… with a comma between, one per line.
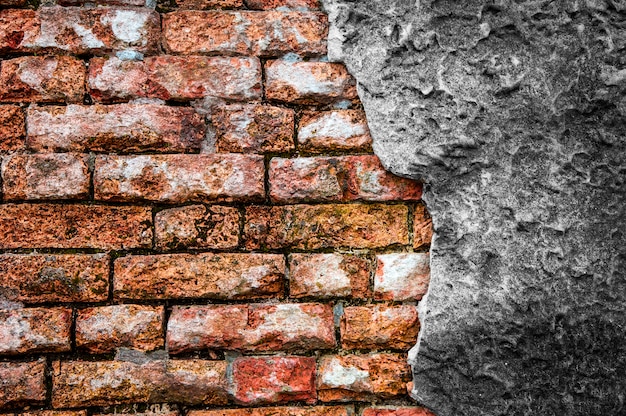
x=192, y=220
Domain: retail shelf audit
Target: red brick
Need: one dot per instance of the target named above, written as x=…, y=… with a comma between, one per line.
x=308, y=82
x=362, y=377
x=422, y=228
x=12, y=128
x=132, y=3
x=104, y=383
x=212, y=276
x=197, y=226
x=334, y=131
x=36, y=278
x=51, y=176
x=55, y=413
x=42, y=79
x=175, y=78
x=397, y=411
x=103, y=329
x=259, y=380
x=346, y=178
x=156, y=410
x=245, y=33
x=401, y=276
x=23, y=384
x=278, y=411
x=323, y=226
x=379, y=327
x=283, y=4
x=79, y=30
x=282, y=327
x=12, y=3
x=179, y=178
x=329, y=275
x=126, y=128
x=209, y=4
x=254, y=129
x=74, y=226
x=34, y=330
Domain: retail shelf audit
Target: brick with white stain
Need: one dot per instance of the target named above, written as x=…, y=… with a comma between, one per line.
x=339, y=130
x=402, y=276
x=32, y=330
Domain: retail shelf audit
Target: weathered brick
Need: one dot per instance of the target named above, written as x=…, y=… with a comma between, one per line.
x=154, y=410
x=74, y=226
x=308, y=82
x=209, y=4
x=401, y=276
x=362, y=377
x=212, y=276
x=103, y=383
x=12, y=128
x=322, y=226
x=282, y=327
x=422, y=228
x=397, y=411
x=132, y=3
x=42, y=79
x=283, y=4
x=12, y=3
x=22, y=384
x=334, y=131
x=329, y=275
x=79, y=30
x=103, y=329
x=34, y=330
x=197, y=226
x=55, y=413
x=175, y=78
x=245, y=33
x=179, y=178
x=379, y=327
x=51, y=176
x=278, y=411
x=345, y=178
x=36, y=278
x=258, y=380
x=254, y=129
x=125, y=128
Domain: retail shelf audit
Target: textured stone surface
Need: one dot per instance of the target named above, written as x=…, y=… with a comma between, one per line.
x=334, y=131
x=12, y=128
x=514, y=114
x=33, y=330
x=125, y=128
x=279, y=411
x=213, y=276
x=362, y=377
x=22, y=383
x=38, y=278
x=245, y=33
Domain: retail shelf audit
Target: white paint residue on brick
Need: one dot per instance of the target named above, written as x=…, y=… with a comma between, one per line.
x=87, y=37
x=340, y=376
x=290, y=320
x=300, y=78
x=128, y=25
x=255, y=275
x=13, y=332
x=34, y=75
x=328, y=277
x=333, y=125
x=369, y=181
x=396, y=272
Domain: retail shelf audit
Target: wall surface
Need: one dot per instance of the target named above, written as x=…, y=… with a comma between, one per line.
x=192, y=220
x=514, y=114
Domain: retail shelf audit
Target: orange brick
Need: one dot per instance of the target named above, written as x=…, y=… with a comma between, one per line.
x=283, y=4
x=179, y=178
x=245, y=33
x=334, y=131
x=346, y=178
x=197, y=226
x=401, y=276
x=103, y=329
x=379, y=327
x=211, y=276
x=40, y=177
x=12, y=128
x=209, y=4
x=322, y=226
x=282, y=327
x=278, y=411
x=12, y=3
x=397, y=411
x=74, y=226
x=308, y=82
x=104, y=383
x=55, y=413
x=329, y=275
x=259, y=380
x=23, y=383
x=422, y=228
x=125, y=128
x=175, y=78
x=362, y=377
x=42, y=79
x=254, y=129
x=79, y=30
x=34, y=330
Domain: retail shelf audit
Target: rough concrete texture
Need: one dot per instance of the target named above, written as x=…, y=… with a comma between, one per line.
x=513, y=113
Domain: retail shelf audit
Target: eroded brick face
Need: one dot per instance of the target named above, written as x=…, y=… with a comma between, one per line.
x=192, y=221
